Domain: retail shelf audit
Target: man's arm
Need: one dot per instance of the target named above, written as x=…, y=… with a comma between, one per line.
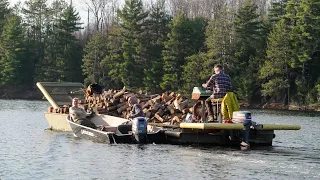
x=209, y=83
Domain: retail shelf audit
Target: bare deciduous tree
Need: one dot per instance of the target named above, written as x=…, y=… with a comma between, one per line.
x=103, y=12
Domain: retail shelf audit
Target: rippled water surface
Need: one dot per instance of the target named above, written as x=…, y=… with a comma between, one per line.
x=28, y=151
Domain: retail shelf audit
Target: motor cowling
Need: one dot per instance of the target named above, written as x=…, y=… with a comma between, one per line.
x=243, y=117
x=139, y=129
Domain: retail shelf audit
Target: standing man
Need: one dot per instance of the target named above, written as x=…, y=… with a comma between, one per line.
x=221, y=84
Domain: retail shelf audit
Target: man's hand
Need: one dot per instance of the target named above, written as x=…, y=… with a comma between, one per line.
x=204, y=85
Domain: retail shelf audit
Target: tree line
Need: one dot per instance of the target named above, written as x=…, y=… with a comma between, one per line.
x=269, y=48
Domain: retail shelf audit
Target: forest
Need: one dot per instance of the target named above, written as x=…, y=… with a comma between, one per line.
x=270, y=48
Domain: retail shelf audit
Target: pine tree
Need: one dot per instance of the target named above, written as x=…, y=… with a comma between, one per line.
x=195, y=72
x=219, y=39
x=154, y=37
x=277, y=11
x=276, y=70
x=306, y=43
x=185, y=39
x=112, y=63
x=95, y=51
x=249, y=50
x=13, y=52
x=52, y=46
x=35, y=13
x=4, y=12
x=132, y=22
x=69, y=57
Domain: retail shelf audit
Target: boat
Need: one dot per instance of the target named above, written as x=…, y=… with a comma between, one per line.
x=59, y=95
x=135, y=133
x=222, y=134
x=213, y=133
x=240, y=130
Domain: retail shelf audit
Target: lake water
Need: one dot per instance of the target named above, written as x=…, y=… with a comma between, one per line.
x=28, y=151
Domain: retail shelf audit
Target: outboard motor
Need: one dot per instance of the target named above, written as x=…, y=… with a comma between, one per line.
x=139, y=129
x=243, y=117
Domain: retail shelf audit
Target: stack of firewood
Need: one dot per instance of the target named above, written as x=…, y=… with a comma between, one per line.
x=166, y=107
x=64, y=109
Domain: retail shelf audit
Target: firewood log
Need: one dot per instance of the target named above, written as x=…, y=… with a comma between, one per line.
x=115, y=101
x=148, y=114
x=176, y=114
x=172, y=94
x=156, y=99
x=160, y=112
x=122, y=108
x=122, y=99
x=174, y=120
x=112, y=108
x=122, y=104
x=158, y=117
x=171, y=100
x=185, y=110
x=155, y=107
x=118, y=94
x=170, y=108
x=109, y=104
x=126, y=96
x=184, y=104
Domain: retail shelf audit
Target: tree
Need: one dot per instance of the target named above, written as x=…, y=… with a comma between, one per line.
x=4, y=12
x=35, y=13
x=132, y=24
x=249, y=50
x=306, y=42
x=14, y=54
x=220, y=39
x=52, y=46
x=277, y=11
x=276, y=69
x=154, y=37
x=185, y=39
x=95, y=51
x=194, y=72
x=69, y=58
x=112, y=63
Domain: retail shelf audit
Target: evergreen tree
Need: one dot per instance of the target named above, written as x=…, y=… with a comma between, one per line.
x=276, y=70
x=306, y=35
x=112, y=63
x=13, y=52
x=185, y=39
x=35, y=19
x=249, y=50
x=195, y=72
x=69, y=57
x=277, y=11
x=132, y=24
x=53, y=46
x=95, y=51
x=4, y=12
x=219, y=39
x=153, y=43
